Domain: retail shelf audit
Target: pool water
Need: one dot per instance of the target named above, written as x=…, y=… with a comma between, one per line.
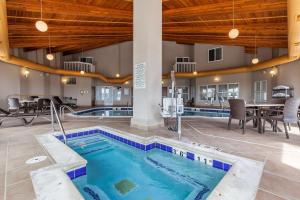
x=127, y=112
x=117, y=171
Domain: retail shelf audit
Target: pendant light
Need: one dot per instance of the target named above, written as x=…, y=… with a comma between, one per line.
x=255, y=60
x=119, y=63
x=233, y=33
x=49, y=55
x=40, y=24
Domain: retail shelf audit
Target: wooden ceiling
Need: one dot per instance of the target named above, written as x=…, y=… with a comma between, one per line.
x=76, y=25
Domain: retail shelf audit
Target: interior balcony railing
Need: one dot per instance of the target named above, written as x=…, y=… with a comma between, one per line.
x=79, y=66
x=184, y=67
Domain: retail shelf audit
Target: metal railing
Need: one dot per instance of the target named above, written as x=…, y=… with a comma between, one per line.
x=53, y=115
x=184, y=67
x=79, y=66
x=62, y=110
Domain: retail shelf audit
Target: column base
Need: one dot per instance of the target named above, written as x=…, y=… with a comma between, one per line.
x=146, y=125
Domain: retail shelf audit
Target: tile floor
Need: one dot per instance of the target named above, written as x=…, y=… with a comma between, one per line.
x=281, y=177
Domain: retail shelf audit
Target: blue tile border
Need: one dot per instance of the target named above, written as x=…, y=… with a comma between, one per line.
x=144, y=147
x=77, y=172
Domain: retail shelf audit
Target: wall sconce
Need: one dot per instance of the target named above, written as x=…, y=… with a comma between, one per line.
x=127, y=82
x=26, y=73
x=216, y=79
x=82, y=72
x=64, y=80
x=274, y=71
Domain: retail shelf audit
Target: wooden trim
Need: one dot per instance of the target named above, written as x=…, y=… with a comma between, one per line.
x=293, y=28
x=243, y=69
x=4, y=43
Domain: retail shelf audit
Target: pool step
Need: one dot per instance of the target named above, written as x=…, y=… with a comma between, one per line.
x=94, y=150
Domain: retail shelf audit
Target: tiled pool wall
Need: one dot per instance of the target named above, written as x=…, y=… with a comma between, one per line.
x=213, y=110
x=104, y=109
x=81, y=171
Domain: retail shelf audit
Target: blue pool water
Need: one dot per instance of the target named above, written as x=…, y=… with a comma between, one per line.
x=127, y=112
x=120, y=172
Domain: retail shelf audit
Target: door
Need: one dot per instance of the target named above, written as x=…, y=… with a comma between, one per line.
x=108, y=96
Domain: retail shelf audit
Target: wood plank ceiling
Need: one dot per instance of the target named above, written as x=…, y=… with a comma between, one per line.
x=76, y=25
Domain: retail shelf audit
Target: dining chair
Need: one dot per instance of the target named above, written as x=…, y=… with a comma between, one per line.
x=43, y=104
x=287, y=116
x=239, y=111
x=14, y=105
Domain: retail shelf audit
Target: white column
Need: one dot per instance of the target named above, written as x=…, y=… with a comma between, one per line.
x=147, y=48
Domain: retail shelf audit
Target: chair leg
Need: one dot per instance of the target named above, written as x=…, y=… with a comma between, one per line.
x=289, y=125
x=244, y=125
x=264, y=126
x=286, y=130
x=229, y=123
x=298, y=125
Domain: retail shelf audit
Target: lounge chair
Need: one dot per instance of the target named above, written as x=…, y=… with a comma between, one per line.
x=4, y=115
x=239, y=111
x=58, y=102
x=288, y=115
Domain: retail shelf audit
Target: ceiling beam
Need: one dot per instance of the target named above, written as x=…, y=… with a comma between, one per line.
x=44, y=41
x=294, y=28
x=68, y=8
x=225, y=8
x=29, y=29
x=275, y=42
x=4, y=43
x=263, y=29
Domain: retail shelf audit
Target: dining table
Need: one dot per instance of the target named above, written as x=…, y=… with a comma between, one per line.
x=259, y=108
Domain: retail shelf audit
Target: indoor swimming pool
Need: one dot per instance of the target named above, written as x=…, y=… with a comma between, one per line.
x=127, y=112
x=120, y=169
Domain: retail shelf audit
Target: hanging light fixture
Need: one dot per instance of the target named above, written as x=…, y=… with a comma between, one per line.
x=233, y=33
x=119, y=63
x=49, y=55
x=40, y=24
x=255, y=60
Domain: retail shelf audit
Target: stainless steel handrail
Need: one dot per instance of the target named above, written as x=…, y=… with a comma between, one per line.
x=62, y=110
x=54, y=112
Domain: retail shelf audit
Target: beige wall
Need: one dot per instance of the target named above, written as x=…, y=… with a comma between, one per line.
x=44, y=84
x=289, y=74
x=244, y=80
x=82, y=91
x=232, y=56
x=9, y=82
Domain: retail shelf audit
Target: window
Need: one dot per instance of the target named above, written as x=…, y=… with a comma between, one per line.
x=71, y=81
x=185, y=92
x=203, y=93
x=233, y=91
x=182, y=59
x=211, y=92
x=260, y=91
x=215, y=54
x=117, y=94
x=222, y=91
